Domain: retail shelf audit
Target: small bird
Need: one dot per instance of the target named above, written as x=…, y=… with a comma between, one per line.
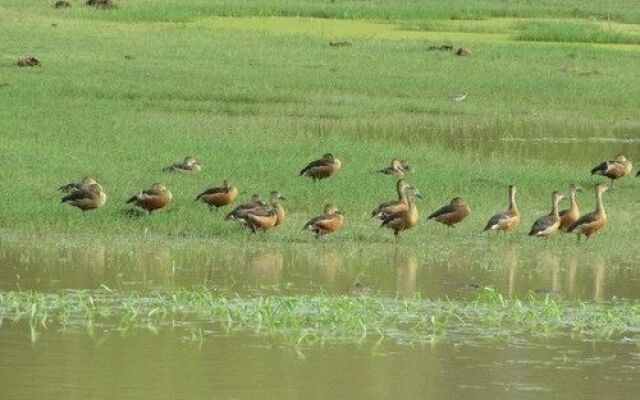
x=266, y=217
x=507, y=220
x=220, y=196
x=592, y=222
x=393, y=206
x=189, y=164
x=83, y=184
x=322, y=168
x=398, y=167
x=460, y=96
x=154, y=198
x=86, y=198
x=613, y=169
x=405, y=219
x=571, y=214
x=329, y=222
x=454, y=212
x=240, y=212
x=548, y=224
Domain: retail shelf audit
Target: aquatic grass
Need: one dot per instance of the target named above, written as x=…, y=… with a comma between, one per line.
x=305, y=319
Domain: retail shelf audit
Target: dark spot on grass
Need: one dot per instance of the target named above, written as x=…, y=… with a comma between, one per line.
x=101, y=3
x=340, y=44
x=440, y=47
x=28, y=62
x=464, y=52
x=61, y=4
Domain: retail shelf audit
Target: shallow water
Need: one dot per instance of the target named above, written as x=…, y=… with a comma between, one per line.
x=106, y=362
x=168, y=365
x=318, y=269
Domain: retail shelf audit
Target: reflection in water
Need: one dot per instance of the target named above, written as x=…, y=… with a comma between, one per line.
x=330, y=264
x=596, y=264
x=511, y=266
x=572, y=266
x=406, y=268
x=266, y=266
x=155, y=265
x=299, y=269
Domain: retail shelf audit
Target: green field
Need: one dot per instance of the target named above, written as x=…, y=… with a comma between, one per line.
x=255, y=92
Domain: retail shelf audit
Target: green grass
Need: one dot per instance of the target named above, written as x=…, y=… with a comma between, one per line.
x=567, y=31
x=256, y=98
x=181, y=10
x=308, y=319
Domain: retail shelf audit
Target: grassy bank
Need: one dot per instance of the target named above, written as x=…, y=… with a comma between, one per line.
x=256, y=98
x=306, y=319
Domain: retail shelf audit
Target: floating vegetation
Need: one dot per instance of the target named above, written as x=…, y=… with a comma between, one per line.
x=310, y=319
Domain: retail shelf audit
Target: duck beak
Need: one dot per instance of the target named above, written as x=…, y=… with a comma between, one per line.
x=419, y=195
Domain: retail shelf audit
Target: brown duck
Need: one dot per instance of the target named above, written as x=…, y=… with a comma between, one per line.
x=322, y=168
x=266, y=217
x=405, y=219
x=398, y=167
x=548, y=224
x=571, y=214
x=83, y=184
x=507, y=220
x=393, y=206
x=86, y=198
x=613, y=169
x=454, y=212
x=593, y=222
x=240, y=212
x=154, y=198
x=218, y=196
x=329, y=222
x=189, y=164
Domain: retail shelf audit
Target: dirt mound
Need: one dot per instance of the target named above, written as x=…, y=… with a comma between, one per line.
x=464, y=52
x=339, y=44
x=101, y=3
x=28, y=62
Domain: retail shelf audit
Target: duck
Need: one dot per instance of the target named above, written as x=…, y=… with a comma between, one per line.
x=86, y=198
x=329, y=222
x=189, y=164
x=154, y=198
x=571, y=214
x=548, y=224
x=593, y=222
x=220, y=196
x=507, y=220
x=393, y=206
x=405, y=219
x=614, y=169
x=266, y=217
x=240, y=212
x=398, y=167
x=453, y=213
x=83, y=184
x=322, y=168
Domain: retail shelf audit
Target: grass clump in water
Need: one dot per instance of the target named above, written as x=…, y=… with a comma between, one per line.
x=309, y=319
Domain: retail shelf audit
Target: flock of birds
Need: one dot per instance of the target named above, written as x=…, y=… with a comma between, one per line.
x=398, y=215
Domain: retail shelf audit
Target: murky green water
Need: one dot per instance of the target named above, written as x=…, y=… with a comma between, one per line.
x=168, y=365
x=176, y=363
